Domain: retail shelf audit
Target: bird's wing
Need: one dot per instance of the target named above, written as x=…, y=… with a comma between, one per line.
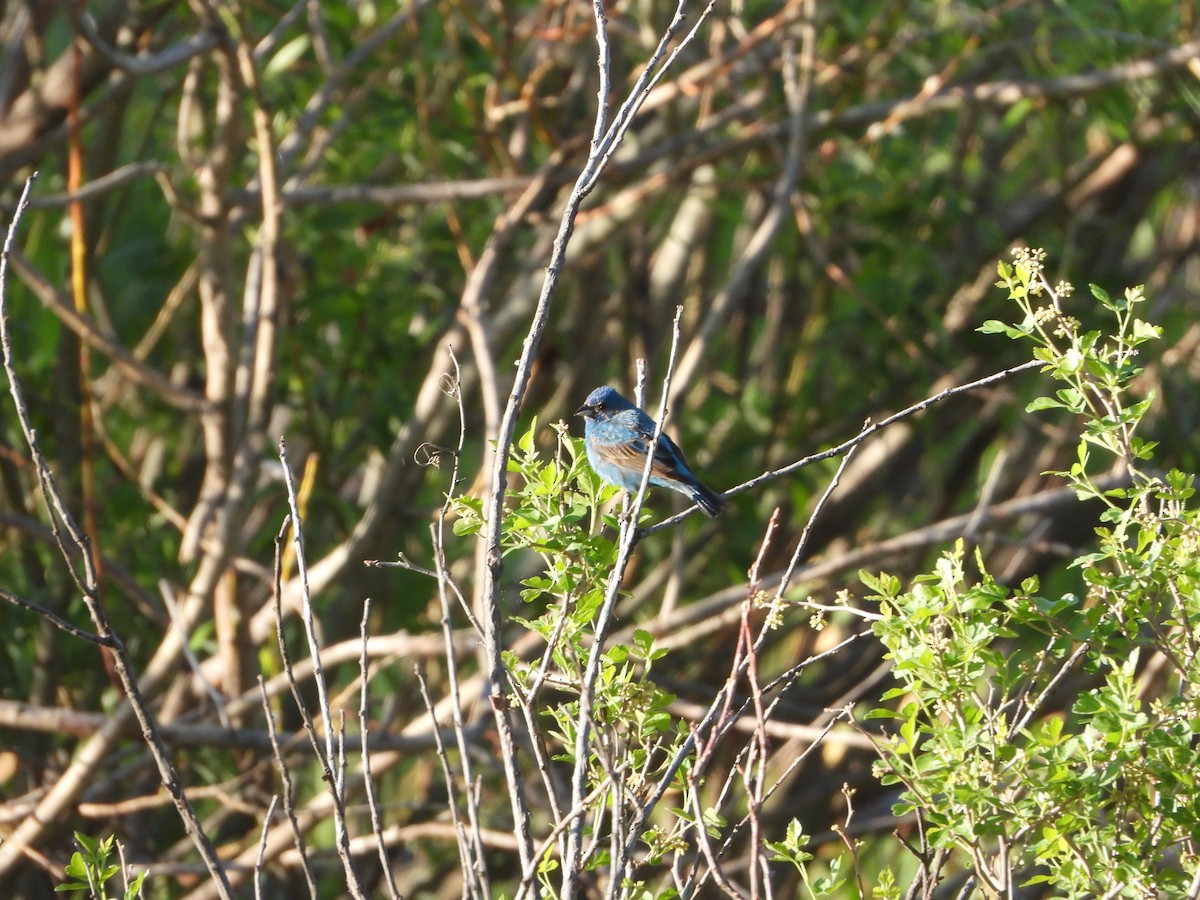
x=624, y=453
x=668, y=445
x=668, y=464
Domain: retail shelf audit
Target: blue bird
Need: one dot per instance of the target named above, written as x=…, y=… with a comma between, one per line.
x=617, y=434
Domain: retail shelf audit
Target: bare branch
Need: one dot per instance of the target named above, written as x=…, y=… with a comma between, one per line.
x=289, y=800
x=56, y=620
x=330, y=756
x=142, y=64
x=364, y=729
x=87, y=579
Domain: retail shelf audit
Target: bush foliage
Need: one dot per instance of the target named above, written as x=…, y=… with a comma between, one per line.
x=947, y=652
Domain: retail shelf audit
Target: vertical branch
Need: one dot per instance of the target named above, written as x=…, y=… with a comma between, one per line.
x=717, y=715
x=756, y=760
x=289, y=800
x=262, y=846
x=467, y=851
x=87, y=579
x=364, y=730
x=289, y=797
x=797, y=88
x=253, y=368
x=331, y=755
x=714, y=865
x=213, y=174
x=255, y=374
x=628, y=538
x=79, y=281
x=598, y=156
x=474, y=860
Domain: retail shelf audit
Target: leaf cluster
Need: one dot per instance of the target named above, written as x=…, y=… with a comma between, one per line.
x=1098, y=793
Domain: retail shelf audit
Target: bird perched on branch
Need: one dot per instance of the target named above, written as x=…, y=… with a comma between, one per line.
x=618, y=433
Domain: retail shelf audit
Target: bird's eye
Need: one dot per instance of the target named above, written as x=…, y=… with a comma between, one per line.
x=599, y=407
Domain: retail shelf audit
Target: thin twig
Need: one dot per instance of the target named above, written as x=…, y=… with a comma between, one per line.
x=123, y=360
x=177, y=621
x=628, y=538
x=262, y=847
x=466, y=844
x=331, y=756
x=97, y=187
x=786, y=579
x=56, y=620
x=755, y=765
x=364, y=728
x=714, y=866
x=142, y=64
x=866, y=432
x=652, y=73
x=306, y=719
x=529, y=878
x=475, y=873
x=842, y=831
x=289, y=795
x=86, y=578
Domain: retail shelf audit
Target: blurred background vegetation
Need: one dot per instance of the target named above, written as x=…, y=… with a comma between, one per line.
x=287, y=213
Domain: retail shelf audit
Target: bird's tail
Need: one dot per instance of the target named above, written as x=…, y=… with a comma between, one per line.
x=709, y=502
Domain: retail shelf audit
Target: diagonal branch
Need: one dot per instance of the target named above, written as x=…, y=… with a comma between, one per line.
x=87, y=579
x=598, y=156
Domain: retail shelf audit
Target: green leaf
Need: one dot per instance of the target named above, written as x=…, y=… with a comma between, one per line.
x=135, y=887
x=1102, y=295
x=643, y=641
x=76, y=866
x=1072, y=360
x=464, y=527
x=617, y=653
x=1041, y=403
x=883, y=584
x=525, y=442
x=287, y=56
x=1144, y=331
x=995, y=326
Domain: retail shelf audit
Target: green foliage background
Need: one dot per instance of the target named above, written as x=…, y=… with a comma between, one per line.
x=937, y=136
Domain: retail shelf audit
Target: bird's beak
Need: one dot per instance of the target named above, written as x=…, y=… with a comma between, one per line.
x=583, y=410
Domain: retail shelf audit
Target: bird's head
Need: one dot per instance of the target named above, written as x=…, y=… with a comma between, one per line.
x=602, y=403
